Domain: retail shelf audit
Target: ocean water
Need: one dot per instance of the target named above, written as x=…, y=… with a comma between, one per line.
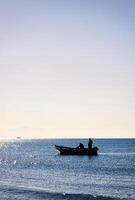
x=33, y=170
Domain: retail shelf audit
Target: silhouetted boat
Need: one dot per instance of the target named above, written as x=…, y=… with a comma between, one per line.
x=76, y=151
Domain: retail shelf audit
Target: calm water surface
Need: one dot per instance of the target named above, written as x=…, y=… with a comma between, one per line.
x=33, y=169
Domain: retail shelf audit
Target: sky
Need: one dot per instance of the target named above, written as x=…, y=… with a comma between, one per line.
x=67, y=68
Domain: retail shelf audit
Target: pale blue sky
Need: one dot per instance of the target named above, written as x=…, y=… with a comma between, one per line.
x=67, y=68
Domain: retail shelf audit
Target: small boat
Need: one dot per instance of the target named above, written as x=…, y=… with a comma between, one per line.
x=77, y=151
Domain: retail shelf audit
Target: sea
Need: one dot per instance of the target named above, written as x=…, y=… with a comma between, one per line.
x=34, y=170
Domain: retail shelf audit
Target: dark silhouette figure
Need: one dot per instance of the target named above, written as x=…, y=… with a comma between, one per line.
x=90, y=143
x=81, y=146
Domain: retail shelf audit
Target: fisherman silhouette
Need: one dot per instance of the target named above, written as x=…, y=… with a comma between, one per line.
x=81, y=146
x=90, y=143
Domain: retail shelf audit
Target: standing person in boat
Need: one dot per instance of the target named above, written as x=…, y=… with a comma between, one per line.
x=90, y=143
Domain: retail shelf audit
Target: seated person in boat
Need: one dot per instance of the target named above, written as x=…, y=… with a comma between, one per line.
x=90, y=143
x=81, y=146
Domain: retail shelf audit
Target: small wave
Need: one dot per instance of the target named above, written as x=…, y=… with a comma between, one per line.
x=118, y=154
x=40, y=194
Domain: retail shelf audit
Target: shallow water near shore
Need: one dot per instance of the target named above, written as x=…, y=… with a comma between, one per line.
x=33, y=169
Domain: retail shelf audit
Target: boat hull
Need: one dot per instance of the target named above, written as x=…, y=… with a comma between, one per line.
x=76, y=151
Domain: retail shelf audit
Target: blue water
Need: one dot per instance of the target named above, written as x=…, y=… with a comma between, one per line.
x=33, y=169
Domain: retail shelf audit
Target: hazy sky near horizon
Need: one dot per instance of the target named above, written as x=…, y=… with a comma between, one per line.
x=67, y=68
